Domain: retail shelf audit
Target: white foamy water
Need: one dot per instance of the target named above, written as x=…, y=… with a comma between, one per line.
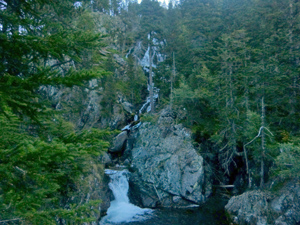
x=121, y=210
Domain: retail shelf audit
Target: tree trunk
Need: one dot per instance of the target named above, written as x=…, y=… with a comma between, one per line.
x=263, y=143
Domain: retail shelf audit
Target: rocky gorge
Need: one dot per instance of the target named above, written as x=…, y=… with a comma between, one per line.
x=185, y=111
x=167, y=171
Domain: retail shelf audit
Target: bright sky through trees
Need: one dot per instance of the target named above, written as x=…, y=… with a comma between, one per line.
x=161, y=1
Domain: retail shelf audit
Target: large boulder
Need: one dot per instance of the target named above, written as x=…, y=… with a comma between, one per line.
x=262, y=207
x=250, y=208
x=169, y=171
x=119, y=142
x=287, y=204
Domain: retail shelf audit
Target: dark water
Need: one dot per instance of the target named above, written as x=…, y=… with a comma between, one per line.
x=211, y=213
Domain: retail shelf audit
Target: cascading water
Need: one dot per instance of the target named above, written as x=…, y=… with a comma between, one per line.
x=121, y=210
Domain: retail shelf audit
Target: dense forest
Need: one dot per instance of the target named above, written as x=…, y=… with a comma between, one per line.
x=229, y=68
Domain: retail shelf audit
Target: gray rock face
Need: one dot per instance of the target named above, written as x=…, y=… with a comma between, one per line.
x=287, y=204
x=249, y=208
x=257, y=207
x=119, y=142
x=169, y=170
x=84, y=104
x=105, y=159
x=118, y=118
x=128, y=107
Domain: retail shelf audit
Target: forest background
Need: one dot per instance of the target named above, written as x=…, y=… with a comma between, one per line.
x=230, y=66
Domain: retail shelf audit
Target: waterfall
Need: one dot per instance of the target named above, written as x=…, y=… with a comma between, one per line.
x=136, y=117
x=121, y=210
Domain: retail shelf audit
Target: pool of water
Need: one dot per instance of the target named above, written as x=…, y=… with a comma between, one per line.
x=122, y=212
x=212, y=213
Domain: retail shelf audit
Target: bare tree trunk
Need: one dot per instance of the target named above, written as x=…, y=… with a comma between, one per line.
x=247, y=166
x=263, y=143
x=151, y=81
x=246, y=157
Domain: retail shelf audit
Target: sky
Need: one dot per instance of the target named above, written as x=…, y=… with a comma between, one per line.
x=167, y=1
x=161, y=1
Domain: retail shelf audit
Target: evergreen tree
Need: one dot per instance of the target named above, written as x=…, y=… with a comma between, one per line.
x=39, y=175
x=151, y=33
x=39, y=45
x=41, y=164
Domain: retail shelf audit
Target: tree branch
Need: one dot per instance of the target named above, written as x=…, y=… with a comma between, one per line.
x=61, y=63
x=260, y=129
x=223, y=148
x=5, y=221
x=20, y=170
x=269, y=131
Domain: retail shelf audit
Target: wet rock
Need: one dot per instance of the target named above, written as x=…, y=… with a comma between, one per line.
x=119, y=142
x=142, y=194
x=149, y=202
x=105, y=194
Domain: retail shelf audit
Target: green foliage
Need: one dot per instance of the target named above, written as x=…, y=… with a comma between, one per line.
x=134, y=86
x=38, y=176
x=41, y=42
x=152, y=17
x=149, y=118
x=252, y=130
x=229, y=55
x=42, y=161
x=287, y=162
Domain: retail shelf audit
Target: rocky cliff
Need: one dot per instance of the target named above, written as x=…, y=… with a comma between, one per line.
x=168, y=171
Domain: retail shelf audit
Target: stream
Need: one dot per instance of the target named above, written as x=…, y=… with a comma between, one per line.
x=122, y=212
